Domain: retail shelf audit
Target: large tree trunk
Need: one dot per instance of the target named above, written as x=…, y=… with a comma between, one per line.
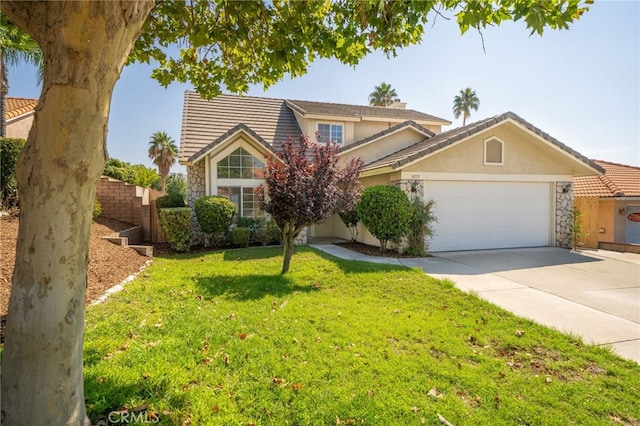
x=85, y=45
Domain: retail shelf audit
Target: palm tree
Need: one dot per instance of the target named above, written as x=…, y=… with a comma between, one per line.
x=163, y=151
x=16, y=46
x=464, y=103
x=383, y=95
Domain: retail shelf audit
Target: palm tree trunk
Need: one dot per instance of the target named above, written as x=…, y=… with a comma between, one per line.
x=4, y=90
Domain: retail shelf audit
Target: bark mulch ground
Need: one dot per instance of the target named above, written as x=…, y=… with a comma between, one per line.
x=373, y=250
x=109, y=264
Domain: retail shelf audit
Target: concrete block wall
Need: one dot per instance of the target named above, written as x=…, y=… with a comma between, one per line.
x=127, y=203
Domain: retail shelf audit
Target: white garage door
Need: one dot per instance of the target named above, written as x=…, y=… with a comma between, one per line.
x=488, y=215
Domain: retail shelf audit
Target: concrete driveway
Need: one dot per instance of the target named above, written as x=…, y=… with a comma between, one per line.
x=594, y=294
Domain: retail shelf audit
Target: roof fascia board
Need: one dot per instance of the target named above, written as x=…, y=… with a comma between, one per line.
x=377, y=171
x=402, y=120
x=348, y=148
x=485, y=177
x=20, y=117
x=624, y=198
x=330, y=117
x=223, y=143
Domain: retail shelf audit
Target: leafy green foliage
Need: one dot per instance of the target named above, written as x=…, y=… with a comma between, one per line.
x=232, y=45
x=214, y=214
x=9, y=152
x=146, y=177
x=463, y=103
x=350, y=219
x=383, y=95
x=164, y=152
x=170, y=200
x=176, y=185
x=386, y=212
x=223, y=339
x=239, y=236
x=420, y=227
x=97, y=208
x=137, y=174
x=576, y=232
x=268, y=233
x=176, y=224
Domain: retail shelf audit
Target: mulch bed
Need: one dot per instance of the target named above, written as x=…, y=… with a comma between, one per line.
x=373, y=250
x=109, y=264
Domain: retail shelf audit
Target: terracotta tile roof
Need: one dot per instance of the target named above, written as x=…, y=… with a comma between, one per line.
x=618, y=180
x=19, y=106
x=442, y=140
x=407, y=124
x=360, y=111
x=204, y=122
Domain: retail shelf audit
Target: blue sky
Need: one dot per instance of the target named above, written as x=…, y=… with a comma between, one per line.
x=582, y=86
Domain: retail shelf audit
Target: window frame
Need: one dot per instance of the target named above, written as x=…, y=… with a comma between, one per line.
x=502, y=150
x=331, y=127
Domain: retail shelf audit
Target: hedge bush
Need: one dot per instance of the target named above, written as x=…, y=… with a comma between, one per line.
x=240, y=236
x=9, y=152
x=176, y=224
x=170, y=201
x=350, y=219
x=268, y=233
x=214, y=214
x=386, y=212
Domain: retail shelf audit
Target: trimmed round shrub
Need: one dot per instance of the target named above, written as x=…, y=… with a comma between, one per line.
x=214, y=214
x=386, y=212
x=176, y=224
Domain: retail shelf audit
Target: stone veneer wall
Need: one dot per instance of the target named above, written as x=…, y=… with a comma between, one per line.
x=564, y=204
x=196, y=188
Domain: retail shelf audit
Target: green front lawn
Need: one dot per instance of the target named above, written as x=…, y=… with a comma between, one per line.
x=223, y=338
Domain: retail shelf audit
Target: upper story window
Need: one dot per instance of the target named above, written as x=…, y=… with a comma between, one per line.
x=493, y=152
x=240, y=164
x=330, y=132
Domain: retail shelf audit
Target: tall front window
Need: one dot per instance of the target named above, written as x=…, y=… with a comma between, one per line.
x=238, y=175
x=329, y=132
x=244, y=198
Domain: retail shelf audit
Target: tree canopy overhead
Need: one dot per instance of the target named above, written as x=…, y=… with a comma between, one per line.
x=231, y=45
x=222, y=45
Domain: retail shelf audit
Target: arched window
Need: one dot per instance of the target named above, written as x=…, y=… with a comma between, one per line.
x=240, y=164
x=493, y=152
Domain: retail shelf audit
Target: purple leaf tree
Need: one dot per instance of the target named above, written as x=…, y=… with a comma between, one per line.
x=304, y=186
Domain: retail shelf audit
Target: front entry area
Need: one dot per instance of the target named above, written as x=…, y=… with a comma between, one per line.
x=490, y=215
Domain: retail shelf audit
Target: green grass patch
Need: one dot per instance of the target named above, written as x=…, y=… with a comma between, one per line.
x=223, y=338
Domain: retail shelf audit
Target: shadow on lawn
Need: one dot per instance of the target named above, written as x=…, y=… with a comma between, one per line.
x=249, y=287
x=106, y=400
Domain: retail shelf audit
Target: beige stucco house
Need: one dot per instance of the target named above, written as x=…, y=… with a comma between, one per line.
x=610, y=206
x=497, y=183
x=19, y=115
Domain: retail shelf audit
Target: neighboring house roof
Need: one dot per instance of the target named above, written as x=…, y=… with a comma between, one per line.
x=618, y=180
x=205, y=121
x=428, y=146
x=393, y=129
x=15, y=107
x=358, y=112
